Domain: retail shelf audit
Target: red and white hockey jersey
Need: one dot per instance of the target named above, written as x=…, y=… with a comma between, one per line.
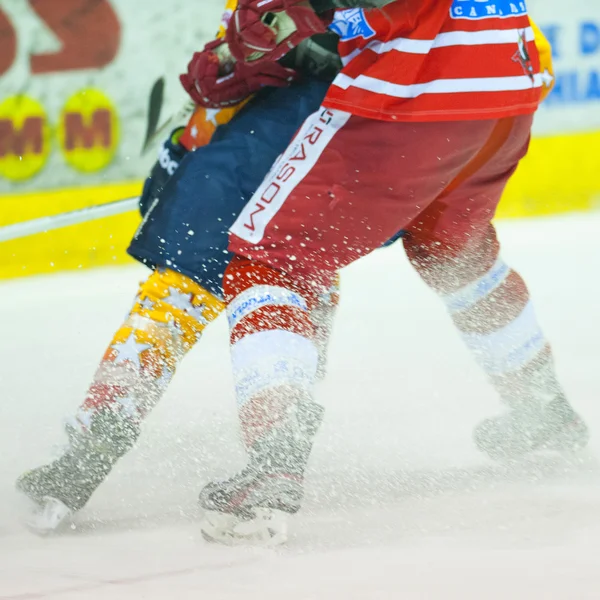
x=437, y=60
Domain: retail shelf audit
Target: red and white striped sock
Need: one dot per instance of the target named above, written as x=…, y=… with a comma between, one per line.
x=490, y=305
x=274, y=356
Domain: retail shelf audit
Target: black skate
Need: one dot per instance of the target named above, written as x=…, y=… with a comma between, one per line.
x=253, y=507
x=61, y=488
x=555, y=426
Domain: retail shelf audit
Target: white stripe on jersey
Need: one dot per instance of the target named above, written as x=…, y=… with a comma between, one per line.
x=439, y=86
x=445, y=40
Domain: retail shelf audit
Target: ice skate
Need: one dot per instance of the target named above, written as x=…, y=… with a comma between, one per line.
x=254, y=506
x=250, y=508
x=524, y=429
x=58, y=490
x=48, y=516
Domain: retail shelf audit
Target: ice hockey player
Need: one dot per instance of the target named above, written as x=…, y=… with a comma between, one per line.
x=420, y=131
x=189, y=202
x=141, y=359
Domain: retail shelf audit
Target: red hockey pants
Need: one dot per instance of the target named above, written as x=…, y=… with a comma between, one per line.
x=347, y=184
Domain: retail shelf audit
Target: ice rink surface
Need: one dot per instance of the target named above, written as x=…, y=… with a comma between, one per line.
x=399, y=503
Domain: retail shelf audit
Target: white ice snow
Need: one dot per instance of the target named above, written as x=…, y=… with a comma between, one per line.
x=399, y=503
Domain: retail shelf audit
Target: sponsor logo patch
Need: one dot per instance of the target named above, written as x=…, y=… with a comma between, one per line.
x=352, y=24
x=293, y=166
x=166, y=161
x=523, y=58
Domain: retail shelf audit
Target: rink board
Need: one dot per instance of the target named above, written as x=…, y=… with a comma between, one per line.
x=92, y=244
x=70, y=98
x=559, y=175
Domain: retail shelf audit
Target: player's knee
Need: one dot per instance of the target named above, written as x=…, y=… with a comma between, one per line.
x=243, y=273
x=450, y=262
x=172, y=299
x=261, y=298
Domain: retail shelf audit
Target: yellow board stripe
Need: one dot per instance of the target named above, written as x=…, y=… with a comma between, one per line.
x=92, y=244
x=560, y=174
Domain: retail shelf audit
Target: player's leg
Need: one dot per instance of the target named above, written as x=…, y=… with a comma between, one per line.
x=186, y=226
x=344, y=187
x=187, y=211
x=274, y=372
x=454, y=248
x=170, y=313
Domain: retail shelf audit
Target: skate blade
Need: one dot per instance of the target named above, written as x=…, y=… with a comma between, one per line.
x=48, y=518
x=268, y=528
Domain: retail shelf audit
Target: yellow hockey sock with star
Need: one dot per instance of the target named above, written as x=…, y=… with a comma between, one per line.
x=169, y=315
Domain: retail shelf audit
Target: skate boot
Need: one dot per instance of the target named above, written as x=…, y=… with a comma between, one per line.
x=526, y=428
x=58, y=490
x=253, y=506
